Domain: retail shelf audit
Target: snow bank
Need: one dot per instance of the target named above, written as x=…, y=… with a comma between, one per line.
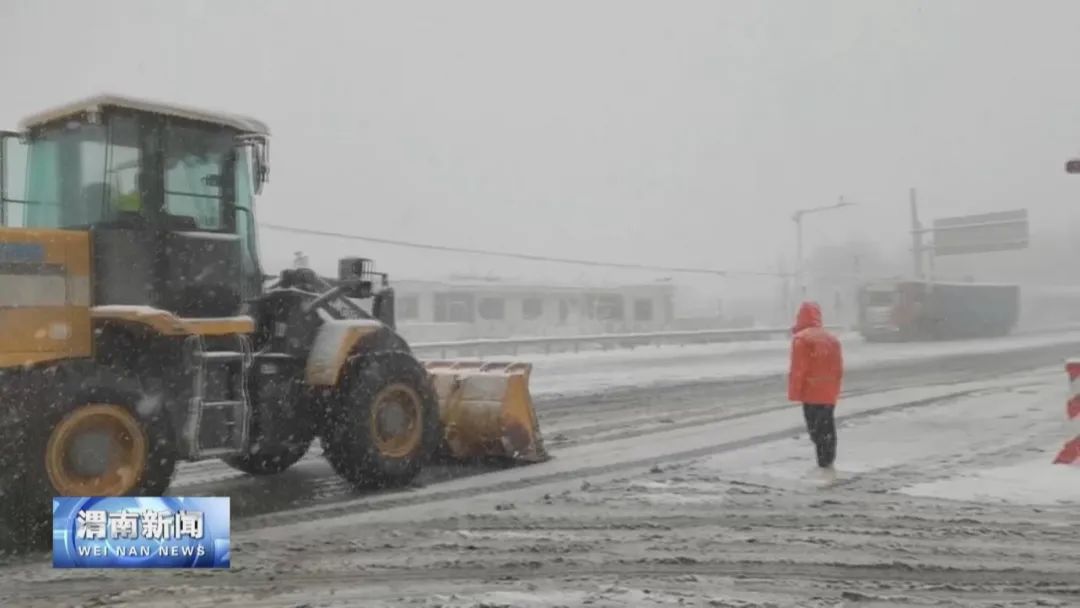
x=1033, y=482
x=852, y=343
x=578, y=373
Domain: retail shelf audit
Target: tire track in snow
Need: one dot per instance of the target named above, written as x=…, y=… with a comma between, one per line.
x=388, y=501
x=986, y=579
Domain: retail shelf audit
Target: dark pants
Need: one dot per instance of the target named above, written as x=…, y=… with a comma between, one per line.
x=822, y=428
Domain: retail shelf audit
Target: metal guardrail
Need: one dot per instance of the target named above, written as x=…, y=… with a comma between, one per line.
x=547, y=344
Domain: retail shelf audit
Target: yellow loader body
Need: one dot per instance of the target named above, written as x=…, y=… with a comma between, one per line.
x=148, y=325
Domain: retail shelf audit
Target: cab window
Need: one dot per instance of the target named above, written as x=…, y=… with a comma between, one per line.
x=194, y=173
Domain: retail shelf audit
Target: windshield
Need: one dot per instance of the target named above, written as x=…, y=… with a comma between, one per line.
x=76, y=175
x=80, y=174
x=64, y=178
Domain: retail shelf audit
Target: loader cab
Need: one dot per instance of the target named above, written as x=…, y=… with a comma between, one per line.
x=167, y=194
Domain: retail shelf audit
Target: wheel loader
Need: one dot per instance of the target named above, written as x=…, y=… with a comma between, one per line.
x=137, y=328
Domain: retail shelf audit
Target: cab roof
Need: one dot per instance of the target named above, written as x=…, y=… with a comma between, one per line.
x=243, y=124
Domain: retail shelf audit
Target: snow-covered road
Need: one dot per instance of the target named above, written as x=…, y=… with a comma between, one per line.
x=695, y=495
x=590, y=396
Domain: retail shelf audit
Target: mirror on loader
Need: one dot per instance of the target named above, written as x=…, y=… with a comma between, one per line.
x=260, y=163
x=13, y=161
x=1072, y=166
x=382, y=305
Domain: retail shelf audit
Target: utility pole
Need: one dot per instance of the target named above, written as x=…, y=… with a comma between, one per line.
x=800, y=288
x=856, y=263
x=785, y=291
x=916, y=236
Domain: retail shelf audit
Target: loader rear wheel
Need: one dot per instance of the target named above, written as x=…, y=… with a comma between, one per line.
x=96, y=450
x=103, y=447
x=95, y=444
x=385, y=423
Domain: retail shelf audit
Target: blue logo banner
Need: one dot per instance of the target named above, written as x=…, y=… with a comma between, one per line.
x=140, y=532
x=22, y=252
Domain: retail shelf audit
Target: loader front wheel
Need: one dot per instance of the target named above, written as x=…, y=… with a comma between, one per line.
x=385, y=422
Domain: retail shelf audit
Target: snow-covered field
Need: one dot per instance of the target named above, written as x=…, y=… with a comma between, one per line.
x=945, y=497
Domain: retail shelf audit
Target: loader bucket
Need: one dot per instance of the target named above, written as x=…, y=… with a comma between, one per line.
x=486, y=410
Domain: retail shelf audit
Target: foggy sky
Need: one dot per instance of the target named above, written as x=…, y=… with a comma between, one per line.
x=681, y=133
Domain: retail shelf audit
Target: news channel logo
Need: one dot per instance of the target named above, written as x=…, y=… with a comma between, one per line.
x=141, y=532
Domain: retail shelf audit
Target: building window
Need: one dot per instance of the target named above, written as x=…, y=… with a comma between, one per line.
x=564, y=311
x=453, y=308
x=532, y=309
x=605, y=307
x=408, y=308
x=643, y=309
x=492, y=309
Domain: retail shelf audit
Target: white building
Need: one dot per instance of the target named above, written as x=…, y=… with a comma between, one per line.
x=434, y=310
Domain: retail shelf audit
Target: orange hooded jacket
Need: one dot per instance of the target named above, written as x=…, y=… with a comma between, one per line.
x=817, y=363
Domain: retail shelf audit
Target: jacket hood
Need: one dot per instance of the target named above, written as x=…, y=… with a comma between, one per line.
x=809, y=316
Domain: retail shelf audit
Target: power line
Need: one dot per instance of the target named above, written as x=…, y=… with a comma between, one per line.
x=520, y=256
x=602, y=264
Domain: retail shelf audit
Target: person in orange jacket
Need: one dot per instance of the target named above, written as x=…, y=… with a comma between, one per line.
x=817, y=370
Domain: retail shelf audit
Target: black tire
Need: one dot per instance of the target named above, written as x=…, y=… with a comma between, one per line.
x=269, y=461
x=155, y=478
x=350, y=441
x=29, y=496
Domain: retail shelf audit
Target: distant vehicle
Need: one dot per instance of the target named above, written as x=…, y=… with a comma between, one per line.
x=920, y=310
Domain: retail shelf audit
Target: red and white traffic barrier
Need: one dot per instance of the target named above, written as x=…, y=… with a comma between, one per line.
x=1070, y=454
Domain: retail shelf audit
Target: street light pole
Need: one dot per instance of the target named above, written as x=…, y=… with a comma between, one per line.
x=916, y=236
x=800, y=286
